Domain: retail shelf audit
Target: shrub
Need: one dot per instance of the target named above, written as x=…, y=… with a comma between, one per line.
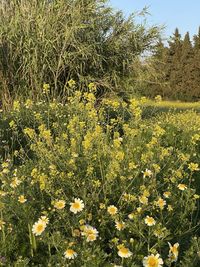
x=56, y=40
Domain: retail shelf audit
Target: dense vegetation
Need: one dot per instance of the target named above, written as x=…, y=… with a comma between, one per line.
x=176, y=69
x=61, y=40
x=92, y=175
x=82, y=186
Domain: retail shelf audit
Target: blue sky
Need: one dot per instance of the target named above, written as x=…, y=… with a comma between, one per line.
x=184, y=14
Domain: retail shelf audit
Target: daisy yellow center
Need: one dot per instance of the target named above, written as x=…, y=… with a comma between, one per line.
x=124, y=251
x=112, y=210
x=90, y=232
x=40, y=227
x=76, y=205
x=60, y=205
x=70, y=252
x=152, y=262
x=150, y=220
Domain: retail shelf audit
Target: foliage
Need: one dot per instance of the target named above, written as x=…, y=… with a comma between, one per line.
x=75, y=164
x=173, y=70
x=56, y=40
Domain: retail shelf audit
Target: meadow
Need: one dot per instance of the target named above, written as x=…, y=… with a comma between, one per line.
x=87, y=185
x=92, y=173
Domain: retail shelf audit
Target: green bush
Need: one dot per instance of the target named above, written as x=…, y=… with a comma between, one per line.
x=54, y=41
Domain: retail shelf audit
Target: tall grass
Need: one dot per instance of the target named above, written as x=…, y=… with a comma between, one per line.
x=53, y=41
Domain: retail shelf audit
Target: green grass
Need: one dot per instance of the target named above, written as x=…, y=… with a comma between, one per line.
x=153, y=108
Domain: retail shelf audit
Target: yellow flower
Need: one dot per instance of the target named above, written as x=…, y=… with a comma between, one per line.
x=81, y=222
x=92, y=87
x=59, y=204
x=169, y=208
x=124, y=252
x=182, y=187
x=147, y=173
x=143, y=199
x=71, y=83
x=90, y=233
x=77, y=205
x=22, y=199
x=150, y=221
x=153, y=261
x=70, y=254
x=119, y=225
x=44, y=219
x=193, y=166
x=15, y=182
x=161, y=203
x=46, y=88
x=173, y=251
x=112, y=210
x=167, y=194
x=102, y=206
x=139, y=209
x=16, y=105
x=39, y=227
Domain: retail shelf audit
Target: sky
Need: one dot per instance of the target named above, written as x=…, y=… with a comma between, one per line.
x=184, y=14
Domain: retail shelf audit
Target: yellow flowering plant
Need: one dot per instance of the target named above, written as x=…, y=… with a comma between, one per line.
x=87, y=184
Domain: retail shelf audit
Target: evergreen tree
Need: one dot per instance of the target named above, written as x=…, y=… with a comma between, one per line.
x=196, y=67
x=186, y=86
x=173, y=68
x=158, y=85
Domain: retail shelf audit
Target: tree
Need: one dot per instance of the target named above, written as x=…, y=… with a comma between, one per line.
x=173, y=68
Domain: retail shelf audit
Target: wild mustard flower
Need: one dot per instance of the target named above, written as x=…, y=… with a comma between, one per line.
x=143, y=200
x=169, y=208
x=22, y=199
x=92, y=87
x=16, y=105
x=71, y=83
x=15, y=182
x=147, y=173
x=193, y=166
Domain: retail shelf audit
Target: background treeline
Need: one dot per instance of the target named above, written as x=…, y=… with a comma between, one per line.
x=173, y=71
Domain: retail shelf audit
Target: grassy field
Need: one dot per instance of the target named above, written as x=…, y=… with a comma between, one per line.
x=82, y=186
x=153, y=108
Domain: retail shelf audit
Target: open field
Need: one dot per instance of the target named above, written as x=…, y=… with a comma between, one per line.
x=153, y=108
